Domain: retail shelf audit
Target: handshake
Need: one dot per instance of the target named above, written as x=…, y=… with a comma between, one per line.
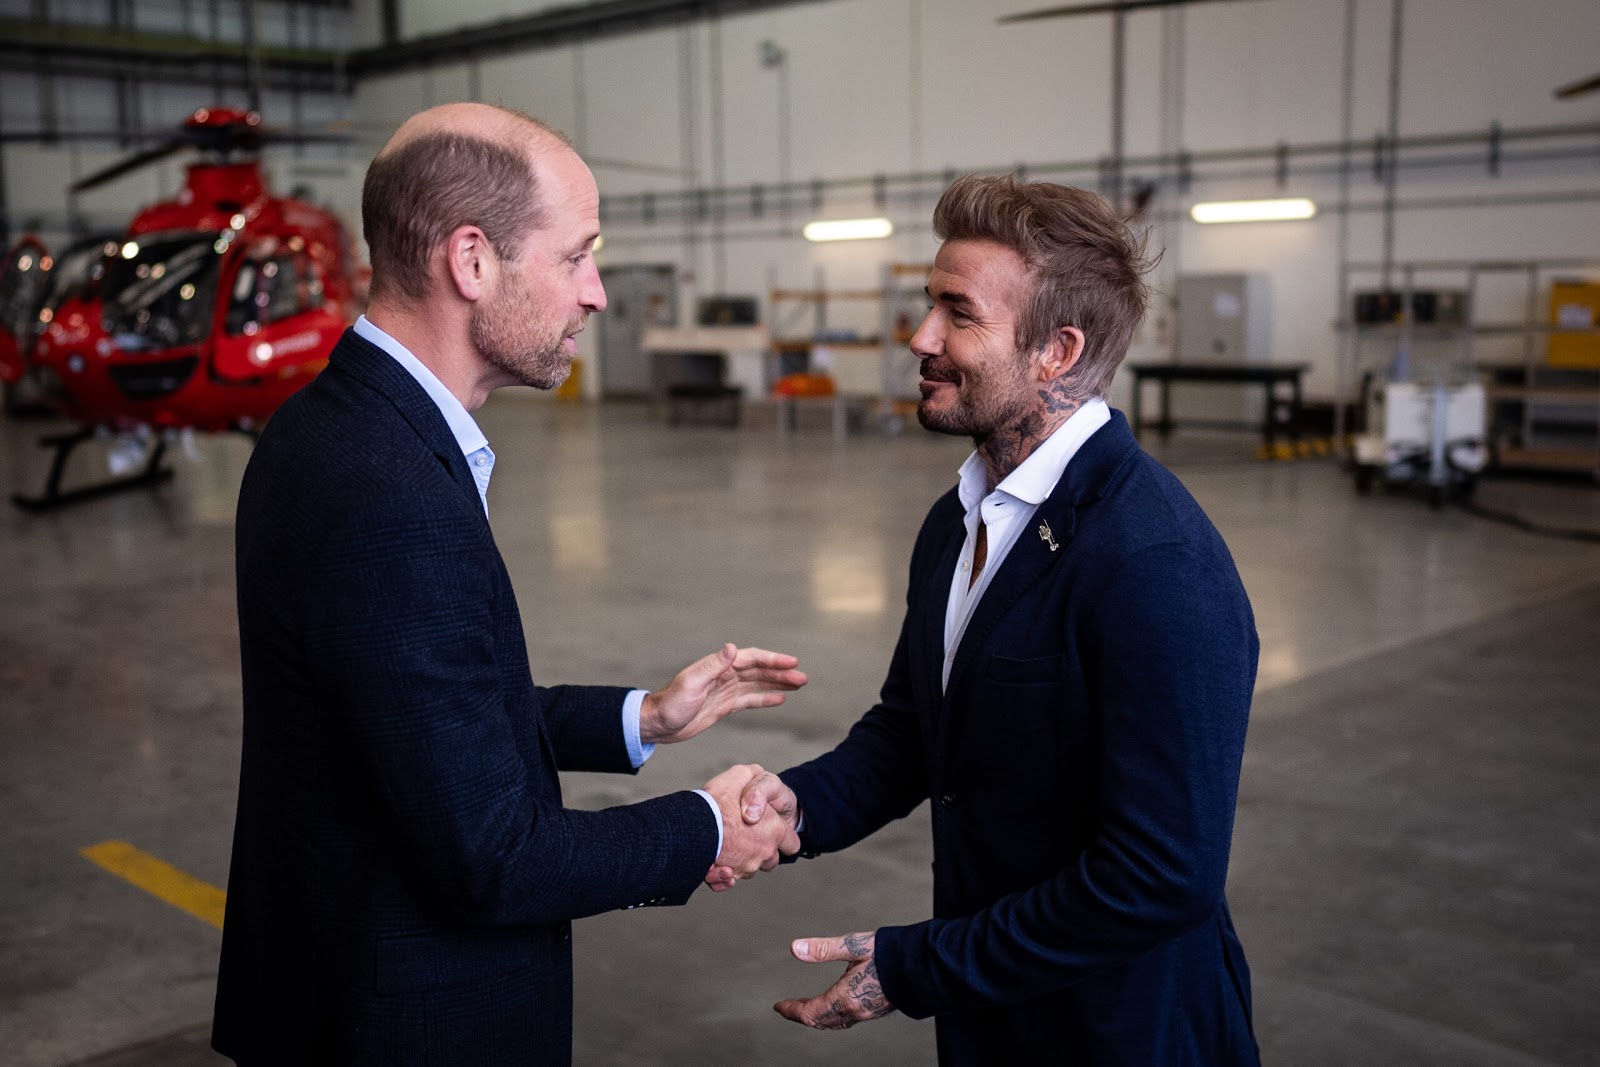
x=760, y=816
x=759, y=813
x=760, y=819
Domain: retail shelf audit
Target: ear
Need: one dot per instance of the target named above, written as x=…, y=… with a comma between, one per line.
x=471, y=263
x=1061, y=354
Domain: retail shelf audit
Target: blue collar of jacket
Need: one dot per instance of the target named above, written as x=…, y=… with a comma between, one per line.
x=364, y=361
x=467, y=432
x=1093, y=472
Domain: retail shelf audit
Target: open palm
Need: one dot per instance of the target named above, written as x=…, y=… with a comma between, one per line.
x=732, y=679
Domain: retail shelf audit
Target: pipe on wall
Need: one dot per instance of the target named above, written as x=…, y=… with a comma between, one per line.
x=1391, y=170
x=1261, y=160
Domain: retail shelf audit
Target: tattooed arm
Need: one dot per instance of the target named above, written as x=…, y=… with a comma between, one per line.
x=855, y=998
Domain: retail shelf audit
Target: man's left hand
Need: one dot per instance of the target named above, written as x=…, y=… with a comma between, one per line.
x=724, y=682
x=856, y=997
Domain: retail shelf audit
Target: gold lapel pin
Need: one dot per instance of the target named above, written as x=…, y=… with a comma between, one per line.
x=1047, y=537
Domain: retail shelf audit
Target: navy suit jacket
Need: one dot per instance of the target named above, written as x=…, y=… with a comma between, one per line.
x=403, y=872
x=1083, y=766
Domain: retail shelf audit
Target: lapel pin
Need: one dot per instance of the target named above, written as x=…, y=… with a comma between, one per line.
x=1047, y=537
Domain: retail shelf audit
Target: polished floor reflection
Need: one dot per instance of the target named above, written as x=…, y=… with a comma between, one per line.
x=1413, y=799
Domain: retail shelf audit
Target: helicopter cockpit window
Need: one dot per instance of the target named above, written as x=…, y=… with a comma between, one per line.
x=25, y=275
x=159, y=291
x=72, y=272
x=270, y=288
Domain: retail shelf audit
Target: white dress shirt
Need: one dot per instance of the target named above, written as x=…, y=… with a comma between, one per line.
x=480, y=460
x=1006, y=512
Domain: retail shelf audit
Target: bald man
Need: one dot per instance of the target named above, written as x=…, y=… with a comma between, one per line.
x=404, y=874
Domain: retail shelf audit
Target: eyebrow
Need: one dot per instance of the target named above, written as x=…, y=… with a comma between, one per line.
x=950, y=296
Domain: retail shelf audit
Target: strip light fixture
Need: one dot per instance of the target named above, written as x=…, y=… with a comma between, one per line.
x=847, y=229
x=1253, y=210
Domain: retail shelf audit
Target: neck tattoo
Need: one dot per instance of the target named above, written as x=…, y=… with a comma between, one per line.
x=1005, y=449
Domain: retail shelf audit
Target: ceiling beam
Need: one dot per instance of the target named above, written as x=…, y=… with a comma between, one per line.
x=21, y=41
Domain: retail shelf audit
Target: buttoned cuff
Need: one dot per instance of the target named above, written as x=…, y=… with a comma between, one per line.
x=638, y=752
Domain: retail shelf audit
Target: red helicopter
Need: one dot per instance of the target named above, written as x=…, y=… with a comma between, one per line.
x=210, y=311
x=31, y=279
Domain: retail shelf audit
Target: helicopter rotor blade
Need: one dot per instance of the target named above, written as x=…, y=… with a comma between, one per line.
x=272, y=135
x=1578, y=88
x=1106, y=8
x=129, y=163
x=227, y=138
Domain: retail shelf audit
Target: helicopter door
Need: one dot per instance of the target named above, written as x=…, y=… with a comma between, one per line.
x=24, y=282
x=277, y=319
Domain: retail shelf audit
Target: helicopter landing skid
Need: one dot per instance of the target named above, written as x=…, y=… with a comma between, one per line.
x=52, y=497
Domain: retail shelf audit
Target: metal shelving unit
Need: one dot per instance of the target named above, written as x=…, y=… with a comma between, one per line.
x=905, y=304
x=789, y=352
x=1540, y=417
x=873, y=373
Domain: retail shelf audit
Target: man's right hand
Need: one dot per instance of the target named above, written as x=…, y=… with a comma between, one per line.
x=757, y=824
x=763, y=796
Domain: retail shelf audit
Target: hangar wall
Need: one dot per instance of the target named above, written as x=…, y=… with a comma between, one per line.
x=893, y=86
x=59, y=123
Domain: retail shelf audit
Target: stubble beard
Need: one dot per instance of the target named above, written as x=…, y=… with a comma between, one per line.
x=983, y=404
x=514, y=334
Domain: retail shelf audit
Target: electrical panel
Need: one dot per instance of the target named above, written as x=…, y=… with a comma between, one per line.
x=1222, y=318
x=636, y=297
x=1429, y=307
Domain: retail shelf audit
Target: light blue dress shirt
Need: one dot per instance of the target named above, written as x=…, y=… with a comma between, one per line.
x=475, y=446
x=480, y=460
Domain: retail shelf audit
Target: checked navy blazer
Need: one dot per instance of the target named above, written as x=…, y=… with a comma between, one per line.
x=404, y=874
x=1083, y=765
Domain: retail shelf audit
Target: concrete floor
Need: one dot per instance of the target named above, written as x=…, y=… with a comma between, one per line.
x=1417, y=857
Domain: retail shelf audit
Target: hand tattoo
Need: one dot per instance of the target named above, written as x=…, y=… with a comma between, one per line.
x=863, y=1000
x=865, y=989
x=856, y=997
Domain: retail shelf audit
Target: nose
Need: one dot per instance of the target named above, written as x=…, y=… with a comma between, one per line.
x=593, y=294
x=926, y=342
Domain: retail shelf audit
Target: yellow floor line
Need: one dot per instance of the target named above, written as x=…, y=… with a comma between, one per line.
x=160, y=879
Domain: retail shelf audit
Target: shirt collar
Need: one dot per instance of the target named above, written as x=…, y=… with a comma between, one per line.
x=467, y=434
x=1036, y=477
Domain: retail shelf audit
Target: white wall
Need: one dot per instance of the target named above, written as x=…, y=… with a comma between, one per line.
x=36, y=175
x=888, y=86
x=891, y=86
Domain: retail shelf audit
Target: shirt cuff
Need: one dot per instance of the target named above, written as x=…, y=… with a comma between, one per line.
x=716, y=813
x=638, y=752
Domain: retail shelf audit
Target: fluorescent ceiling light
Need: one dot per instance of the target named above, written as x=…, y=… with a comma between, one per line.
x=1253, y=210
x=848, y=229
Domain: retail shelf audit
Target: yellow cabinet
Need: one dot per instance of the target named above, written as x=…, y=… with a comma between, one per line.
x=1574, y=306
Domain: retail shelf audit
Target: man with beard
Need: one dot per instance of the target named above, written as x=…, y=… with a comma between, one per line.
x=1070, y=686
x=404, y=874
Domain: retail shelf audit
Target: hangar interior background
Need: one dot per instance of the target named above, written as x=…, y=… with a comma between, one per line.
x=1416, y=858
